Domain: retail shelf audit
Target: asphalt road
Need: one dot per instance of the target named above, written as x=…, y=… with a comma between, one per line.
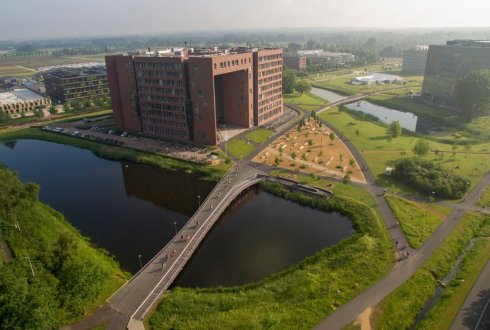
x=475, y=312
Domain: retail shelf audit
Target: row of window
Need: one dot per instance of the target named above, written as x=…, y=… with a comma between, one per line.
x=160, y=82
x=162, y=74
x=269, y=107
x=269, y=86
x=164, y=114
x=269, y=72
x=165, y=131
x=269, y=57
x=156, y=90
x=270, y=65
x=271, y=99
x=162, y=106
x=269, y=79
x=228, y=64
x=269, y=115
x=153, y=65
x=164, y=122
x=269, y=93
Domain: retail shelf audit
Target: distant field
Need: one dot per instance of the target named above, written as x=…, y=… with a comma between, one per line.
x=23, y=66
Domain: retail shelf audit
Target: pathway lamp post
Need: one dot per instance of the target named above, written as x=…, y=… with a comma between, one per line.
x=199, y=200
x=139, y=257
x=175, y=227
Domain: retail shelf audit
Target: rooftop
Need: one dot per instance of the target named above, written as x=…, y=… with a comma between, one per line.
x=469, y=43
x=65, y=73
x=19, y=95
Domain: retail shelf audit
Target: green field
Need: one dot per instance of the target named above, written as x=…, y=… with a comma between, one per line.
x=297, y=298
x=239, y=148
x=306, y=102
x=417, y=220
x=380, y=152
x=259, y=135
x=399, y=309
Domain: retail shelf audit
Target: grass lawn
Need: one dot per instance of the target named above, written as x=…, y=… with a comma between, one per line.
x=259, y=135
x=399, y=309
x=417, y=220
x=297, y=298
x=306, y=102
x=379, y=152
x=239, y=148
x=484, y=199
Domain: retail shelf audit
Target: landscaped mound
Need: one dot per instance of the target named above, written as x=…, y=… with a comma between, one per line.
x=430, y=178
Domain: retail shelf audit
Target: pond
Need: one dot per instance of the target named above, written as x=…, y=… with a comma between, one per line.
x=130, y=209
x=386, y=115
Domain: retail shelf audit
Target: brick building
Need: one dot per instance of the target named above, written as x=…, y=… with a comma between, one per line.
x=188, y=94
x=294, y=61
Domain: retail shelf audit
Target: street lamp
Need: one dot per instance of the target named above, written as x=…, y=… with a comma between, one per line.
x=139, y=257
x=199, y=200
x=175, y=227
x=30, y=264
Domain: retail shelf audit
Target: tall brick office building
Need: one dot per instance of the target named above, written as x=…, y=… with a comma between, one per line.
x=189, y=94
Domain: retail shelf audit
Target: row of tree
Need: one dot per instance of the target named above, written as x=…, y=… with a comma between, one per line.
x=291, y=83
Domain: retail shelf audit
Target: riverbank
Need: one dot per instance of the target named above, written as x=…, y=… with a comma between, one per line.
x=56, y=276
x=298, y=297
x=205, y=172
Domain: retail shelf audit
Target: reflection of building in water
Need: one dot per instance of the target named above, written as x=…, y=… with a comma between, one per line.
x=171, y=190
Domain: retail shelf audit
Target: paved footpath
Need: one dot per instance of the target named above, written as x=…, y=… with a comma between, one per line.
x=406, y=268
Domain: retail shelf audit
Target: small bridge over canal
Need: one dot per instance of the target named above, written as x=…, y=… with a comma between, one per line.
x=345, y=100
x=131, y=303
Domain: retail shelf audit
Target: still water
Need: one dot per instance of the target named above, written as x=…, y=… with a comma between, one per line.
x=130, y=209
x=386, y=115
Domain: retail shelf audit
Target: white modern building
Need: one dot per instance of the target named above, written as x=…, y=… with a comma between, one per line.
x=377, y=78
x=22, y=101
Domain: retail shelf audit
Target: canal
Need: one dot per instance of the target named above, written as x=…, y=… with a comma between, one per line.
x=133, y=209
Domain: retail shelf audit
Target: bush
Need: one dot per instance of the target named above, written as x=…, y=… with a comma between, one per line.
x=429, y=178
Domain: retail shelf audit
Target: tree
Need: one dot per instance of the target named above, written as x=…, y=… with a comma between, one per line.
x=472, y=94
x=4, y=118
x=52, y=110
x=302, y=86
x=346, y=179
x=394, y=130
x=421, y=148
x=331, y=136
x=293, y=47
x=293, y=155
x=310, y=44
x=288, y=81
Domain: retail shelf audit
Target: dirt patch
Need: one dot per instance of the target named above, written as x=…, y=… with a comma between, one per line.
x=364, y=319
x=8, y=255
x=312, y=150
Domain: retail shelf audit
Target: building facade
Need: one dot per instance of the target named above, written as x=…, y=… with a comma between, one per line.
x=321, y=57
x=189, y=94
x=294, y=61
x=18, y=102
x=447, y=63
x=76, y=84
x=414, y=60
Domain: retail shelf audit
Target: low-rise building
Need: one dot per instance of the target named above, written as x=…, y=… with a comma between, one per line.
x=76, y=84
x=377, y=78
x=22, y=101
x=321, y=57
x=294, y=61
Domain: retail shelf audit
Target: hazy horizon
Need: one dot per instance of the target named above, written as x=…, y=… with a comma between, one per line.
x=30, y=19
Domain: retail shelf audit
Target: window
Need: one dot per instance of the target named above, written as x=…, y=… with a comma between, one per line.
x=200, y=93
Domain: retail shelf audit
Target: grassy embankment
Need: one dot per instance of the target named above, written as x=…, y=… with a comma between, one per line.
x=379, y=152
x=417, y=220
x=399, y=309
x=306, y=102
x=119, y=153
x=71, y=277
x=298, y=297
x=259, y=135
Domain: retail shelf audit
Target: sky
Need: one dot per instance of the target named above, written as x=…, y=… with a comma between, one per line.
x=22, y=19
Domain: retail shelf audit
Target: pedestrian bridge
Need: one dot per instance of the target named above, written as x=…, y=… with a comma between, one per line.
x=132, y=302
